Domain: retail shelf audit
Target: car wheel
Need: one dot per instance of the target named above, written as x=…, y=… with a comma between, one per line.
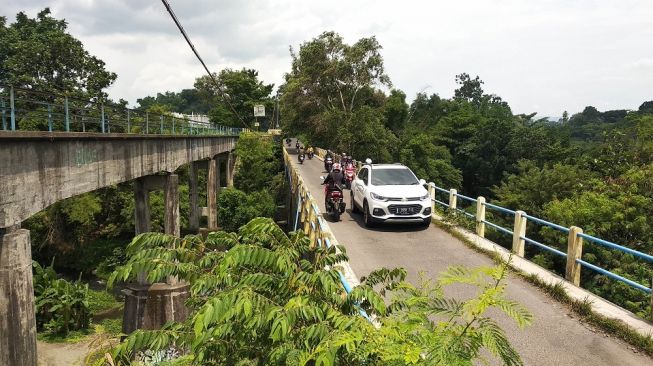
x=354, y=208
x=367, y=217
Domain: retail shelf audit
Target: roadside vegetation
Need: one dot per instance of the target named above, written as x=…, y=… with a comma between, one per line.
x=261, y=296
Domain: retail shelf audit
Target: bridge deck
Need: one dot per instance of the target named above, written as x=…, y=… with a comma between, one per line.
x=555, y=338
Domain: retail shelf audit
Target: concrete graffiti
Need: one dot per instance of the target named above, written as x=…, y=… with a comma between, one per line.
x=85, y=156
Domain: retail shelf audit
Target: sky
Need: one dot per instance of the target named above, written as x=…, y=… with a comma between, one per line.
x=543, y=56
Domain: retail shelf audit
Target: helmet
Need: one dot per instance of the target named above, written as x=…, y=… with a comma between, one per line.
x=343, y=155
x=336, y=167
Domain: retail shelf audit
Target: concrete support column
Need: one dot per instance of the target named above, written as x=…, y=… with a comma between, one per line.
x=142, y=215
x=230, y=169
x=171, y=199
x=150, y=306
x=194, y=221
x=17, y=319
x=212, y=194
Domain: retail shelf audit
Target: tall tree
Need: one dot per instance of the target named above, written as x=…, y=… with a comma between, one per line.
x=240, y=88
x=38, y=53
x=332, y=87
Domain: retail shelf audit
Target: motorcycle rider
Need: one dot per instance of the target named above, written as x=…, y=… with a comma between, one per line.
x=335, y=177
x=300, y=155
x=309, y=151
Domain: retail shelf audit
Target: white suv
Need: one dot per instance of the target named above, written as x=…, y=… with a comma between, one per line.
x=390, y=192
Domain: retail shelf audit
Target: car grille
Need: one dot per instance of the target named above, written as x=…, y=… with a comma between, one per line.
x=405, y=209
x=402, y=199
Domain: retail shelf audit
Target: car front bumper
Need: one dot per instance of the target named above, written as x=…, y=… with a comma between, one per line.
x=391, y=211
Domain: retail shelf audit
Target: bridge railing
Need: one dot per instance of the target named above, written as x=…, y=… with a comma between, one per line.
x=23, y=109
x=450, y=199
x=308, y=216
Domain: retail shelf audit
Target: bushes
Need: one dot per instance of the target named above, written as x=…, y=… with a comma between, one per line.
x=236, y=208
x=61, y=306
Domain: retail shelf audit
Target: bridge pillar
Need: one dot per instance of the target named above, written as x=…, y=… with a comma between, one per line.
x=150, y=306
x=17, y=319
x=171, y=199
x=194, y=221
x=230, y=169
x=213, y=182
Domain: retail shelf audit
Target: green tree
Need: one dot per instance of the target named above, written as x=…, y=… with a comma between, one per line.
x=470, y=90
x=531, y=188
x=396, y=111
x=38, y=53
x=429, y=161
x=327, y=89
x=242, y=89
x=260, y=296
x=188, y=101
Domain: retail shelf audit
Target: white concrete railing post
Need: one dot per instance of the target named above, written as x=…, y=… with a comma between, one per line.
x=519, y=231
x=432, y=192
x=574, y=251
x=480, y=216
x=452, y=200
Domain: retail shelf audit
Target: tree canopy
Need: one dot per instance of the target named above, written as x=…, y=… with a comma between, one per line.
x=39, y=53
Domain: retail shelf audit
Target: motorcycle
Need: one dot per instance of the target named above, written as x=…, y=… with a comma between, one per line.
x=297, y=146
x=288, y=142
x=334, y=201
x=301, y=158
x=310, y=155
x=328, y=164
x=349, y=175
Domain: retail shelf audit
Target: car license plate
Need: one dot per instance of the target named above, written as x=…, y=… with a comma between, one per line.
x=405, y=210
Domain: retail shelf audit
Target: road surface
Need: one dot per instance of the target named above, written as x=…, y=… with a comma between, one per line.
x=555, y=338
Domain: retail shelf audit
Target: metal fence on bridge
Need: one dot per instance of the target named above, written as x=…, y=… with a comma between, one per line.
x=24, y=109
x=449, y=199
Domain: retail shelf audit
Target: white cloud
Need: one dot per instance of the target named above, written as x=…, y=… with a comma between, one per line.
x=545, y=56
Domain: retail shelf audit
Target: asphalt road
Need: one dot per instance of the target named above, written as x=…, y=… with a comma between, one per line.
x=555, y=337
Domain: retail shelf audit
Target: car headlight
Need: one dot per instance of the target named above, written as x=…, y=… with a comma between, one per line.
x=378, y=197
x=424, y=197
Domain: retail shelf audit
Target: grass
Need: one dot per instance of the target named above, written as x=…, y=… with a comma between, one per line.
x=99, y=301
x=582, y=308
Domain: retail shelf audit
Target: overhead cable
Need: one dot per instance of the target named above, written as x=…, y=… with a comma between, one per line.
x=192, y=47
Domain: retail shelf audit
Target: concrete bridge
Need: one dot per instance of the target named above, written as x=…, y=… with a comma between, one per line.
x=555, y=338
x=38, y=169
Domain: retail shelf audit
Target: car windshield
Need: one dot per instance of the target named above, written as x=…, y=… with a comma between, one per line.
x=393, y=177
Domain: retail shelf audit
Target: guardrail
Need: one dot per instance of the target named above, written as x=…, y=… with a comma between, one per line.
x=24, y=109
x=575, y=236
x=308, y=216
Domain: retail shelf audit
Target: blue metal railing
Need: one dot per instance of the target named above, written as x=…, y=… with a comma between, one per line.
x=547, y=223
x=561, y=229
x=23, y=109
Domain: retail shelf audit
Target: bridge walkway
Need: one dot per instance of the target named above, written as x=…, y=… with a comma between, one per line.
x=554, y=338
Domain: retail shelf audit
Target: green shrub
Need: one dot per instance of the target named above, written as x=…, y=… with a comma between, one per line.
x=61, y=306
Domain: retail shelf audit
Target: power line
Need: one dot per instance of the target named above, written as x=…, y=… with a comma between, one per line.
x=192, y=47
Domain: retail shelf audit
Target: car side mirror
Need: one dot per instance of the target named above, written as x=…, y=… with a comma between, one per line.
x=422, y=182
